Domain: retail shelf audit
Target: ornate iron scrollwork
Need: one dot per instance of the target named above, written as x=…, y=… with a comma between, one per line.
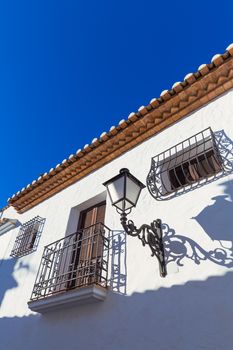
x=185, y=166
x=148, y=234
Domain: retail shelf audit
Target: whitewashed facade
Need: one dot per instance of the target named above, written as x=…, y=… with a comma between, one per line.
x=191, y=308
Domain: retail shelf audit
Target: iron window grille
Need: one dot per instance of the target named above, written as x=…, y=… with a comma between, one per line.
x=185, y=166
x=28, y=237
x=78, y=260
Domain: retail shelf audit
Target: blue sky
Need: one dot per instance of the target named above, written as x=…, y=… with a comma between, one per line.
x=69, y=70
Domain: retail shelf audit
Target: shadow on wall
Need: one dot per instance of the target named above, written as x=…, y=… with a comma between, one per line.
x=118, y=268
x=217, y=219
x=7, y=280
x=217, y=222
x=197, y=315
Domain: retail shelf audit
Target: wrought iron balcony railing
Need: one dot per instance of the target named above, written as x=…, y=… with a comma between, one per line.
x=80, y=259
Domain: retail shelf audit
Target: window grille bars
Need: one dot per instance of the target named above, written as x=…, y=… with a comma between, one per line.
x=185, y=166
x=78, y=260
x=28, y=237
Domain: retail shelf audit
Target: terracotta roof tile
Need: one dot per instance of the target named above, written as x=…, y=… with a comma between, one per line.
x=197, y=89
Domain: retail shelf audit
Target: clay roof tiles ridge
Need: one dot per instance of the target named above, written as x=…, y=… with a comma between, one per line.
x=144, y=123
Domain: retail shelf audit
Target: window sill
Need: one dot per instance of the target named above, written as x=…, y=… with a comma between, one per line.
x=83, y=295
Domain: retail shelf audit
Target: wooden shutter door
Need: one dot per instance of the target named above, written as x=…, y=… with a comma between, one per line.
x=97, y=247
x=86, y=222
x=91, y=247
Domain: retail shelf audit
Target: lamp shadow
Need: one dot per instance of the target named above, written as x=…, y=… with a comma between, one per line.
x=178, y=247
x=216, y=221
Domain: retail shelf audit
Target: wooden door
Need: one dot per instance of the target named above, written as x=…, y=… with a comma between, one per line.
x=89, y=248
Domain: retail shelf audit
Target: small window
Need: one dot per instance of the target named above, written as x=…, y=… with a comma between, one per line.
x=195, y=169
x=185, y=165
x=28, y=237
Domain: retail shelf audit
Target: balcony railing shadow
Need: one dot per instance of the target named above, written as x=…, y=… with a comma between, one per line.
x=118, y=267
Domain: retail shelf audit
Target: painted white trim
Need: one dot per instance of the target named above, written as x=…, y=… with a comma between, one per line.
x=81, y=295
x=7, y=226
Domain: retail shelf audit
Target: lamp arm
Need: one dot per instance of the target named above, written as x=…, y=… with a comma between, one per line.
x=148, y=234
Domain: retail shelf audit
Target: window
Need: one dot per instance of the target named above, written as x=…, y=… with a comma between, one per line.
x=185, y=165
x=195, y=169
x=28, y=237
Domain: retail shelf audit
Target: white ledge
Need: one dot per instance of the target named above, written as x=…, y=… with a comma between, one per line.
x=82, y=295
x=7, y=224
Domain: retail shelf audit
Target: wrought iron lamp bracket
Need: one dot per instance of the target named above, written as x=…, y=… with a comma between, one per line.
x=148, y=234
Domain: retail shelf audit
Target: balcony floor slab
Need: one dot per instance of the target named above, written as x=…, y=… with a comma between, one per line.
x=82, y=295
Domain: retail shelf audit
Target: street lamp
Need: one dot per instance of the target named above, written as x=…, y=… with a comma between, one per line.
x=124, y=190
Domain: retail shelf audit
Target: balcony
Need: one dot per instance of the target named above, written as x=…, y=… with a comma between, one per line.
x=73, y=270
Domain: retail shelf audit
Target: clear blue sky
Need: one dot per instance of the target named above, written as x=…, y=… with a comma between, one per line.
x=69, y=70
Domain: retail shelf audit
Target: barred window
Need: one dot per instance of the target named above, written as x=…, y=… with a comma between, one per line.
x=197, y=168
x=184, y=166
x=28, y=237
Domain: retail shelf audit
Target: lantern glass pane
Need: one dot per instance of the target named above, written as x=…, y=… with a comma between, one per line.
x=120, y=205
x=123, y=205
x=128, y=205
x=132, y=190
x=116, y=189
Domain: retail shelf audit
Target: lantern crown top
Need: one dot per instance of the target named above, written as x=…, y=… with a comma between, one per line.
x=124, y=170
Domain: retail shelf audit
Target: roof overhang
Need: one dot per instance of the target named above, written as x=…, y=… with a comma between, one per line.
x=197, y=89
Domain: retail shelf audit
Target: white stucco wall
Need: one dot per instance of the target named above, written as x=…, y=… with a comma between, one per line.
x=189, y=309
